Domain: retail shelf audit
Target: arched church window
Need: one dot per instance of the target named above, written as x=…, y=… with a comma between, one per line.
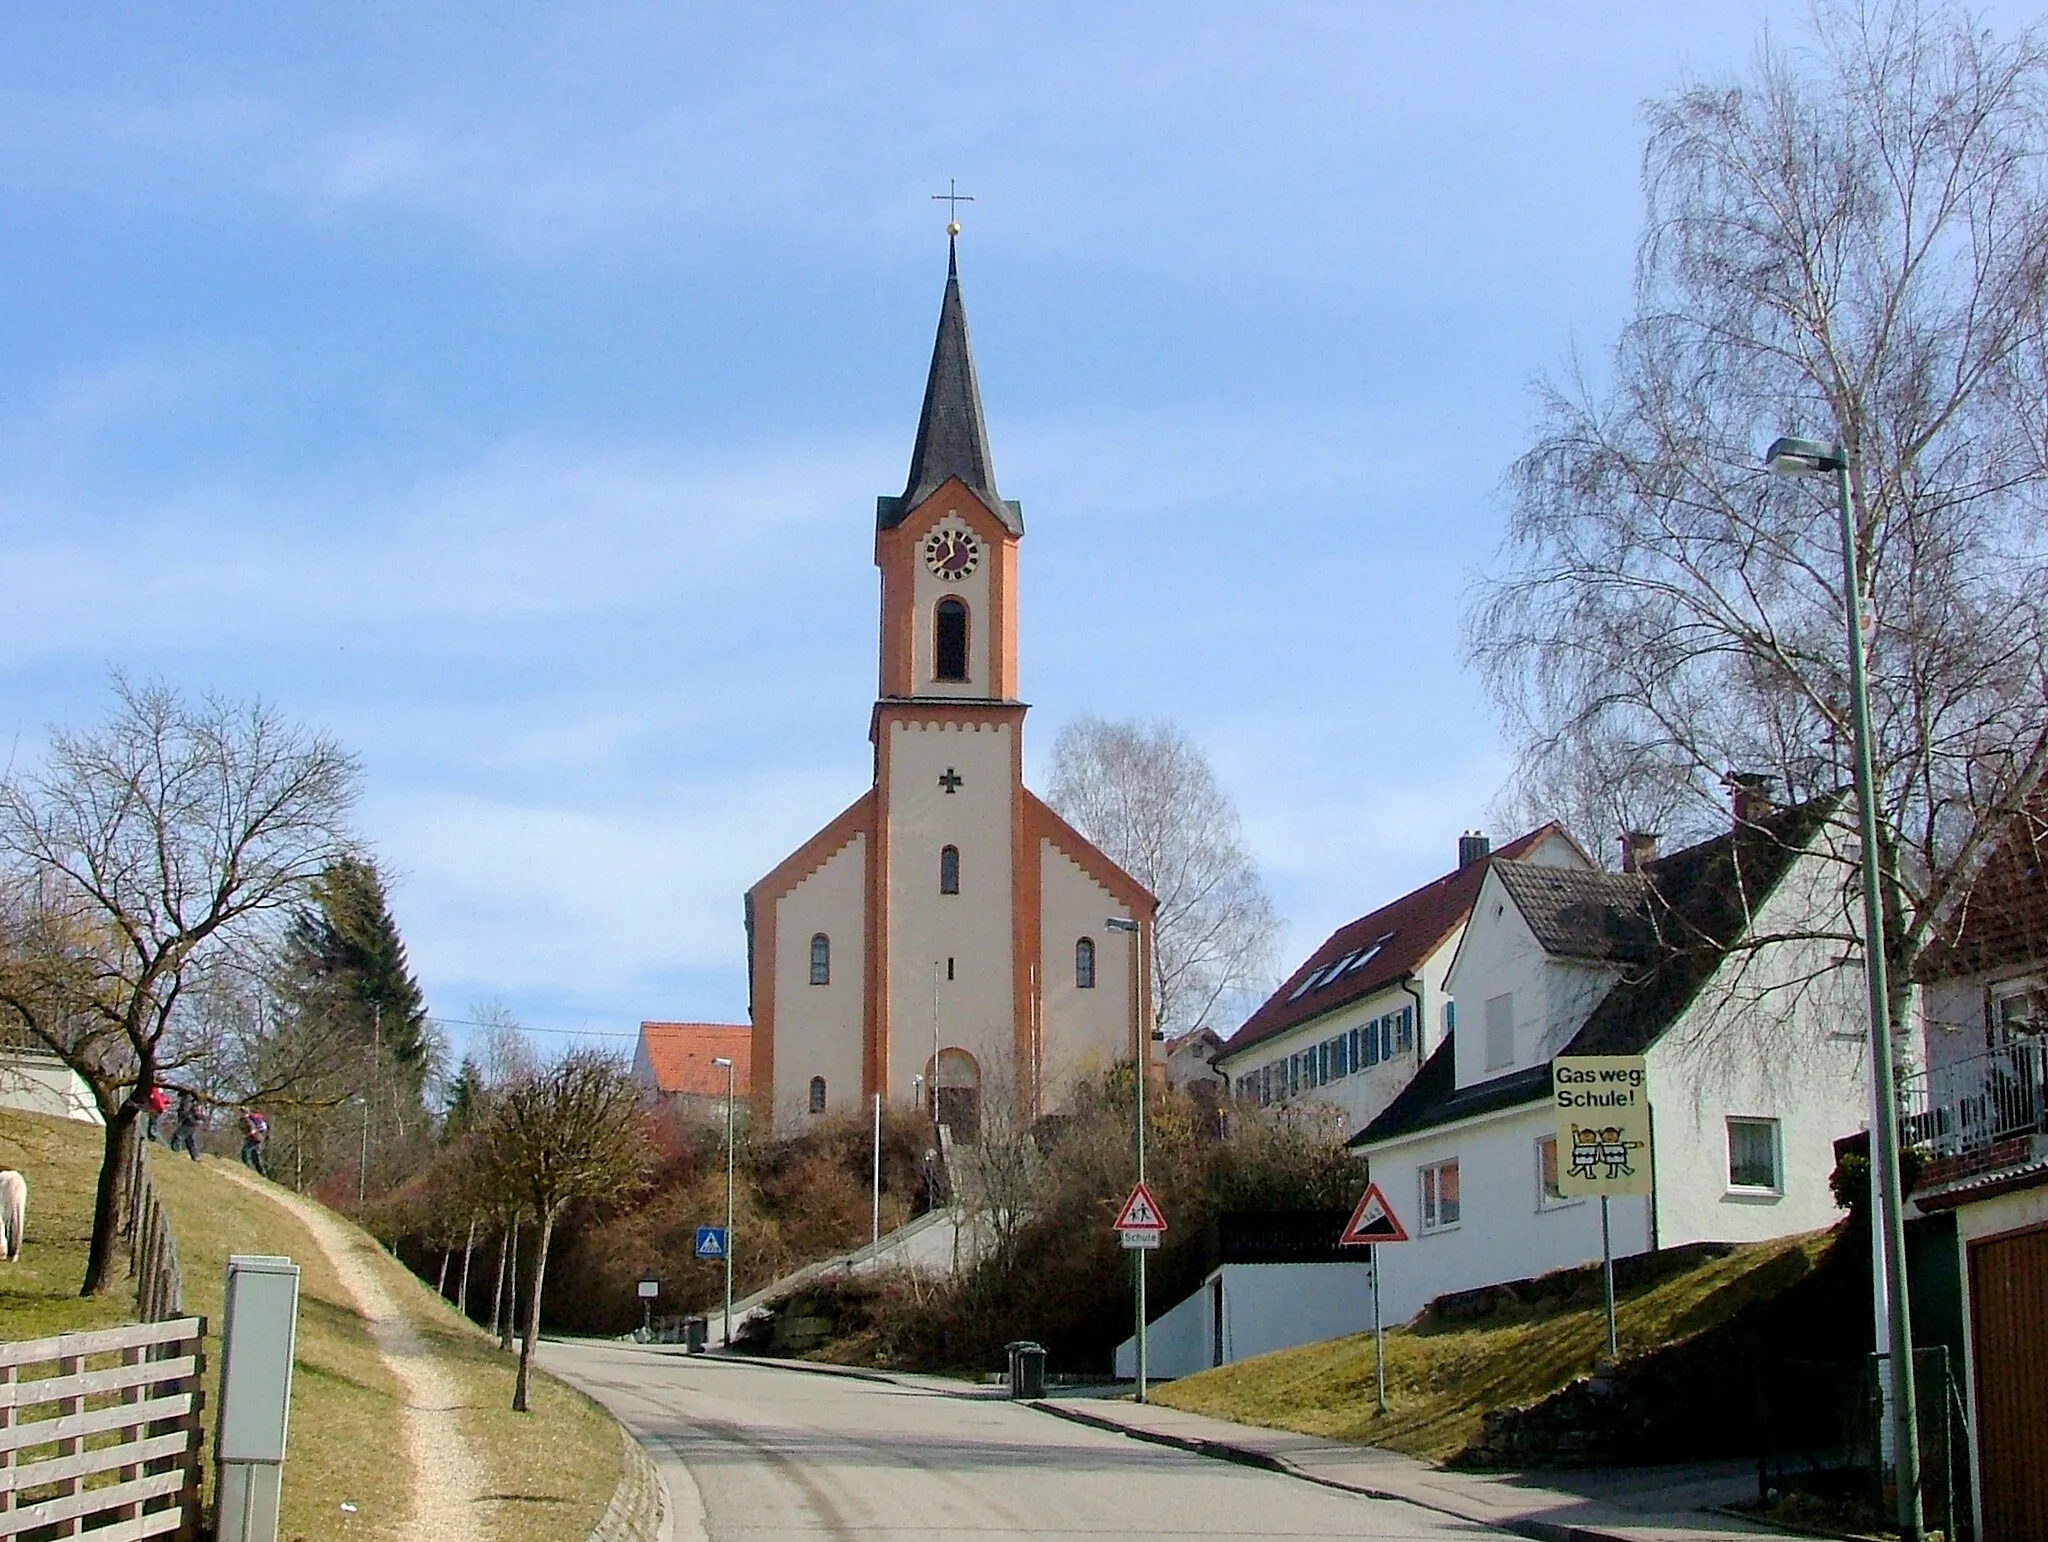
x=817, y=1094
x=821, y=960
x=1084, y=963
x=949, y=870
x=949, y=640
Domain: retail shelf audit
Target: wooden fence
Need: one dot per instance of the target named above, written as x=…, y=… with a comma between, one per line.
x=99, y=1433
x=152, y=1249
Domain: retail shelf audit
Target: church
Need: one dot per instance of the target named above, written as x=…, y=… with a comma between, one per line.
x=945, y=941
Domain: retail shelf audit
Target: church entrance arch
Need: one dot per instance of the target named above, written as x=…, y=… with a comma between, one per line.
x=958, y=1094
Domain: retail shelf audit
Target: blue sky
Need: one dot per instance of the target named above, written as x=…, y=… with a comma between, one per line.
x=507, y=389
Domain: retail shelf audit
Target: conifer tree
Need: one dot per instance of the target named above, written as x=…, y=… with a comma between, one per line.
x=350, y=967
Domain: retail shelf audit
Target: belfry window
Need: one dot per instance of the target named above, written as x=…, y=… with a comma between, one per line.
x=949, y=870
x=949, y=641
x=821, y=960
x=817, y=1094
x=1084, y=964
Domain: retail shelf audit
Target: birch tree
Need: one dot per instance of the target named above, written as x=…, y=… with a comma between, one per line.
x=1147, y=797
x=1850, y=243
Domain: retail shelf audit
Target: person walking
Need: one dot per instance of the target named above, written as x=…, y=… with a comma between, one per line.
x=159, y=1100
x=185, y=1131
x=255, y=1130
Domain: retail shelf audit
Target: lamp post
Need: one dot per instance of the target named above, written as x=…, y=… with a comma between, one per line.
x=1809, y=457
x=1143, y=1041
x=722, y=1060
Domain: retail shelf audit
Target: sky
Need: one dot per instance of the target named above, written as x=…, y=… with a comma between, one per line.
x=506, y=389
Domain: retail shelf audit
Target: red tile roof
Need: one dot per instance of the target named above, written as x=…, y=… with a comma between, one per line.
x=677, y=1056
x=1382, y=947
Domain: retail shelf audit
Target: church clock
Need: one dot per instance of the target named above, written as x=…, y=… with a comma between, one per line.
x=951, y=554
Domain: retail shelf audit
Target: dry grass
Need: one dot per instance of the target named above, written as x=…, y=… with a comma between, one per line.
x=549, y=1474
x=39, y=1295
x=347, y=1444
x=1442, y=1380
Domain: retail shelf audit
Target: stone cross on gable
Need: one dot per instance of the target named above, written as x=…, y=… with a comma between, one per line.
x=952, y=781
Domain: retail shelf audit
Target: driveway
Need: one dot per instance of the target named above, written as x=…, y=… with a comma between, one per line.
x=755, y=1452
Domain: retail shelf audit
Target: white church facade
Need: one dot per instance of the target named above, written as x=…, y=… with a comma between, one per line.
x=944, y=939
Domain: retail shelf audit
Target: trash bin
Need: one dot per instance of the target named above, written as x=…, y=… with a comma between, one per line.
x=1027, y=1368
x=695, y=1330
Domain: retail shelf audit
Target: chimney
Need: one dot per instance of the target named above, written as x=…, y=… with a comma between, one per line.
x=1750, y=793
x=1473, y=847
x=1638, y=850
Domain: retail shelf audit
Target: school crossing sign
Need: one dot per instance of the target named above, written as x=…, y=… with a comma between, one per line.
x=1602, y=1104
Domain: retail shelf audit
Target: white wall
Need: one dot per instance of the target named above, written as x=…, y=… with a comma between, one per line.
x=1503, y=1232
x=818, y=1027
x=43, y=1084
x=1780, y=1035
x=1079, y=1030
x=1499, y=956
x=974, y=927
x=1265, y=1307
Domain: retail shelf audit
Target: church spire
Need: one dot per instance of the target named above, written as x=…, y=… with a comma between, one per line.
x=952, y=439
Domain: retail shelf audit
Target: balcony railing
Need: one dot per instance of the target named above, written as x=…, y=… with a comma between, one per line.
x=1966, y=1108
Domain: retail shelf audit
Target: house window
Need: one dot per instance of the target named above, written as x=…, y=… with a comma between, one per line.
x=1404, y=1029
x=2016, y=1014
x=949, y=870
x=817, y=1094
x=1450, y=1016
x=1548, y=1195
x=821, y=959
x=1753, y=1155
x=1440, y=1195
x=1500, y=1032
x=949, y=640
x=1084, y=964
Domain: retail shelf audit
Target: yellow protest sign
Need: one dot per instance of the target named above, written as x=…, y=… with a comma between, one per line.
x=1602, y=1104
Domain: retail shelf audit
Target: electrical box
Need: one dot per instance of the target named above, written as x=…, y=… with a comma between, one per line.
x=259, y=1331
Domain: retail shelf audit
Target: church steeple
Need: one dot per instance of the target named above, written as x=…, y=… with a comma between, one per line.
x=952, y=438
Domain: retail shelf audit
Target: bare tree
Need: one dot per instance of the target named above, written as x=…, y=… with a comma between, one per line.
x=576, y=1131
x=145, y=855
x=1849, y=243
x=1146, y=795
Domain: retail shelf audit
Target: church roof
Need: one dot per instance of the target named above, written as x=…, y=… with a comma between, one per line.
x=952, y=438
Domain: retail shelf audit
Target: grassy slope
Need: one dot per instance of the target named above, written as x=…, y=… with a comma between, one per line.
x=549, y=1474
x=1442, y=1380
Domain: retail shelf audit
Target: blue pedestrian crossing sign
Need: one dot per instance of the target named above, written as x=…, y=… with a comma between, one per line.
x=711, y=1242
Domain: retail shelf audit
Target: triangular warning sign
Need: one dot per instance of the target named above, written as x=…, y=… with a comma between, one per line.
x=1140, y=1213
x=1373, y=1221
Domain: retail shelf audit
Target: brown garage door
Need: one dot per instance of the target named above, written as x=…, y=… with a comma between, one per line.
x=2009, y=1317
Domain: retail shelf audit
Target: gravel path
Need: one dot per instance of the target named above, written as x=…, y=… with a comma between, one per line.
x=447, y=1486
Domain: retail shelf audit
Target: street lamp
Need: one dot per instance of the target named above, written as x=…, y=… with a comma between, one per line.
x=1810, y=457
x=1143, y=1042
x=722, y=1060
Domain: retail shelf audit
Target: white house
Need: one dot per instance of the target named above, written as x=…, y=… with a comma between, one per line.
x=40, y=1083
x=1366, y=1009
x=1724, y=965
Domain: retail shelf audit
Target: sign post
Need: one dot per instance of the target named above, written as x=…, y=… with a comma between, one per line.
x=1139, y=1225
x=1602, y=1104
x=649, y=1289
x=1372, y=1223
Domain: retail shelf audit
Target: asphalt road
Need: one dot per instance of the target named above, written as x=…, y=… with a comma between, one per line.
x=755, y=1452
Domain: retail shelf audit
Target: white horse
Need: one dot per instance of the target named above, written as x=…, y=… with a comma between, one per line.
x=13, y=1212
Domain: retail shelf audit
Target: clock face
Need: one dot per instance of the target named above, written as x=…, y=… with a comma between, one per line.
x=952, y=554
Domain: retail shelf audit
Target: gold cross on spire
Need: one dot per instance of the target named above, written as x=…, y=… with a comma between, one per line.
x=952, y=198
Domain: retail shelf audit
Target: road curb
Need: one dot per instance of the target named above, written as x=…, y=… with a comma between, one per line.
x=638, y=1511
x=1248, y=1456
